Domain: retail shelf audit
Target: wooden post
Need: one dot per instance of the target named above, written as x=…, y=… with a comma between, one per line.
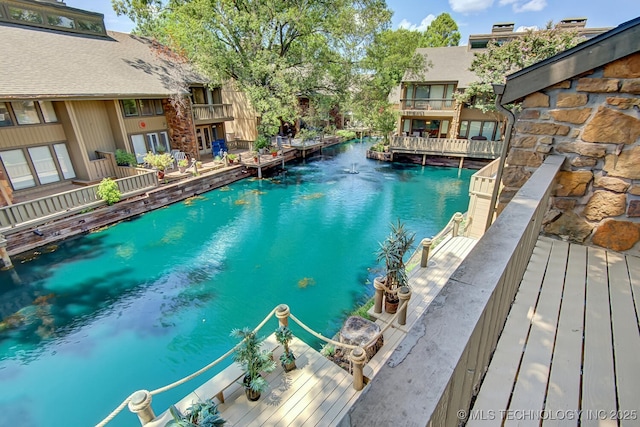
x=379, y=287
x=457, y=219
x=426, y=247
x=358, y=357
x=140, y=404
x=404, y=294
x=5, y=261
x=282, y=313
x=424, y=159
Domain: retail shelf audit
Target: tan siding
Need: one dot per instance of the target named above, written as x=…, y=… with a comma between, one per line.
x=20, y=136
x=93, y=123
x=473, y=114
x=244, y=123
x=132, y=125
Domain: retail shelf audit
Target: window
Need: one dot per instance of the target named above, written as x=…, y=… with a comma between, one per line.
x=25, y=112
x=487, y=129
x=142, y=107
x=60, y=21
x=48, y=113
x=29, y=167
x=199, y=96
x=5, y=116
x=156, y=142
x=90, y=26
x=26, y=15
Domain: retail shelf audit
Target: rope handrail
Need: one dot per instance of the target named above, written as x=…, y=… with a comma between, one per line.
x=181, y=381
x=388, y=325
x=320, y=336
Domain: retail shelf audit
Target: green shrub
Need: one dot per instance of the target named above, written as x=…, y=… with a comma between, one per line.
x=346, y=134
x=108, y=191
x=261, y=142
x=124, y=158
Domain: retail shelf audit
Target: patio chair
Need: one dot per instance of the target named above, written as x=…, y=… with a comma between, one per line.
x=177, y=156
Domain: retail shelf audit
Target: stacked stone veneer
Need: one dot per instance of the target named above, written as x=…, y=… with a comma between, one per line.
x=181, y=127
x=594, y=120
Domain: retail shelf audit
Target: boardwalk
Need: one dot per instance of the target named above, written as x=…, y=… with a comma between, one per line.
x=319, y=393
x=569, y=348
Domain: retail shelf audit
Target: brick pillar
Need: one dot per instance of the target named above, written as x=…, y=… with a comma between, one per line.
x=455, y=122
x=181, y=126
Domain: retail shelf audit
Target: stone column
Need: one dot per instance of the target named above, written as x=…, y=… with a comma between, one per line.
x=379, y=287
x=282, y=313
x=426, y=247
x=358, y=357
x=5, y=261
x=457, y=219
x=140, y=404
x=181, y=126
x=404, y=294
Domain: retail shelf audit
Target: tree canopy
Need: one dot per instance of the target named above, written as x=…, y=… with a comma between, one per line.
x=275, y=50
x=500, y=60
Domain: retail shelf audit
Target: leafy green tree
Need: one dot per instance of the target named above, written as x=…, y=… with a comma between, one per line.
x=275, y=50
x=500, y=60
x=443, y=31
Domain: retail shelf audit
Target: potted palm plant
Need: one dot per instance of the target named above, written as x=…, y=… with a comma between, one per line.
x=392, y=251
x=254, y=361
x=203, y=414
x=287, y=359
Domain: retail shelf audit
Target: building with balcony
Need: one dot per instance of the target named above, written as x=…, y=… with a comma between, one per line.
x=71, y=90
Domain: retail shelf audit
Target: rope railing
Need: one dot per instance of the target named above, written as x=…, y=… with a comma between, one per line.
x=140, y=401
x=181, y=381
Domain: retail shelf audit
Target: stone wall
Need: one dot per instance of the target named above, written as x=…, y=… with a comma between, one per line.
x=594, y=120
x=181, y=127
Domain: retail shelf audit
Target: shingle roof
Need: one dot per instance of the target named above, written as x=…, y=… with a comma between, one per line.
x=446, y=64
x=50, y=64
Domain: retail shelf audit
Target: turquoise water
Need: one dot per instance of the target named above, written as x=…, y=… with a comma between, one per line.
x=148, y=301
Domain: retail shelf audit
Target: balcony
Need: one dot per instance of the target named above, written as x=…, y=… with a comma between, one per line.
x=480, y=149
x=212, y=113
x=427, y=106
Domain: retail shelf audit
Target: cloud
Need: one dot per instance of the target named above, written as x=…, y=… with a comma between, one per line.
x=464, y=6
x=413, y=27
x=524, y=29
x=520, y=6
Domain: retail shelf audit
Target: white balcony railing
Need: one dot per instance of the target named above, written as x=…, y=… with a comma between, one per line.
x=447, y=147
x=428, y=104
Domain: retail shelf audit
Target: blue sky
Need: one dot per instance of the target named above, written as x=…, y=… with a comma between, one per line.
x=472, y=16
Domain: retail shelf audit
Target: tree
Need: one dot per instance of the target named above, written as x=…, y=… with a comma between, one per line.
x=443, y=31
x=275, y=50
x=498, y=61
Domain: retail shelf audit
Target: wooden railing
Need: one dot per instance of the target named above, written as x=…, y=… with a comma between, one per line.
x=428, y=104
x=444, y=362
x=120, y=171
x=446, y=147
x=203, y=112
x=100, y=168
x=480, y=190
x=39, y=211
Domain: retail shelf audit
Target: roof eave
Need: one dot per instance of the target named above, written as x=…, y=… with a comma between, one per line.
x=608, y=47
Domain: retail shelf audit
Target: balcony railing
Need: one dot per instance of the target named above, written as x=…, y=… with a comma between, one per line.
x=446, y=147
x=42, y=210
x=212, y=112
x=428, y=104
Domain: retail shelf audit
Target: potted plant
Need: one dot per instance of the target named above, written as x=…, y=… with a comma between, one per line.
x=287, y=359
x=182, y=165
x=274, y=152
x=233, y=158
x=159, y=161
x=261, y=144
x=254, y=361
x=124, y=158
x=199, y=414
x=392, y=251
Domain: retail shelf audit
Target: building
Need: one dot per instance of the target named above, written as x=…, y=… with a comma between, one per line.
x=71, y=90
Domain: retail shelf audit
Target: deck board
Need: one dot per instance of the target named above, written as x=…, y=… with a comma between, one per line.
x=583, y=359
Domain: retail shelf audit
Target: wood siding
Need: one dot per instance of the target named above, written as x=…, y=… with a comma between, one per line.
x=93, y=124
x=133, y=125
x=20, y=136
x=480, y=191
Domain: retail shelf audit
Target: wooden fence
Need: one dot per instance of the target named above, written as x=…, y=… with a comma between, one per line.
x=446, y=147
x=480, y=190
x=42, y=210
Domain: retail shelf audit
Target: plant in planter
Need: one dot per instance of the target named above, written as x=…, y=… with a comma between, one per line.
x=287, y=359
x=182, y=165
x=392, y=251
x=108, y=191
x=199, y=414
x=254, y=361
x=159, y=161
x=274, y=152
x=124, y=158
x=233, y=158
x=261, y=144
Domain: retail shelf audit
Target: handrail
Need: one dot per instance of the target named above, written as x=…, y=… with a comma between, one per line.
x=275, y=310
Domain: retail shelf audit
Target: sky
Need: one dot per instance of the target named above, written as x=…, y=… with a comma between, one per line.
x=472, y=16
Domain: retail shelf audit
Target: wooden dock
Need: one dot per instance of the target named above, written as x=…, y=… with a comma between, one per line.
x=319, y=392
x=568, y=352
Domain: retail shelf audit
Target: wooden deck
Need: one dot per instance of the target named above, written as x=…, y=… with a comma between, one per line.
x=319, y=392
x=568, y=354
